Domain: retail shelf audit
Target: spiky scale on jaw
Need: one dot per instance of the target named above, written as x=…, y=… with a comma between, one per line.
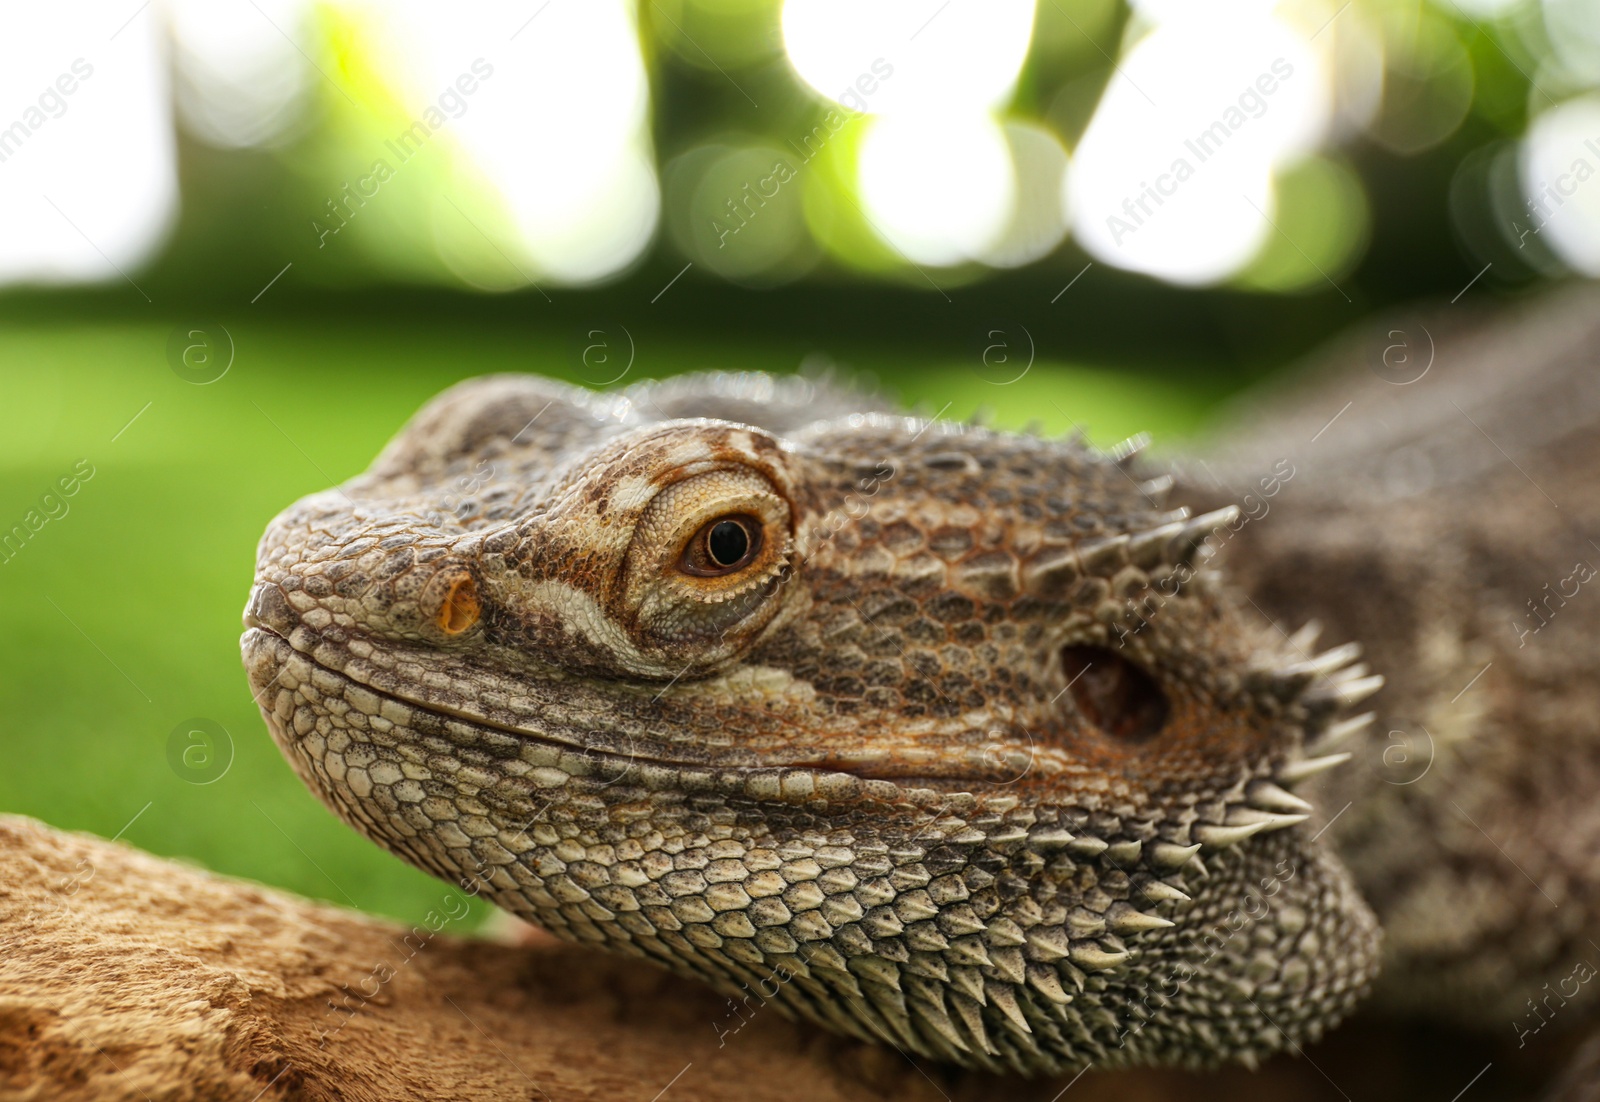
x=861, y=762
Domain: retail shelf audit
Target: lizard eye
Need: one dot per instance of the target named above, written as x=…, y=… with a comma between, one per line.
x=722, y=546
x=1115, y=695
x=707, y=558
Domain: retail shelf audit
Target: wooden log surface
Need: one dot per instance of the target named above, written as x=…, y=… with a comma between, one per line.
x=128, y=977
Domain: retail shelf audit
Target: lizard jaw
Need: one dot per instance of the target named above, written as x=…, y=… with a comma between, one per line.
x=508, y=815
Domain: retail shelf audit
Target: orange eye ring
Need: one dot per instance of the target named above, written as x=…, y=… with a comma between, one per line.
x=722, y=546
x=460, y=608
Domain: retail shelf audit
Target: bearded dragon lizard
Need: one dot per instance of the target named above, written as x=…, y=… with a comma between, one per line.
x=935, y=735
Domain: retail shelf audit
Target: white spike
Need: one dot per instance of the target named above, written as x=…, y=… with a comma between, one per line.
x=1288, y=681
x=1306, y=638
x=1157, y=489
x=1266, y=820
x=1125, y=452
x=1354, y=692
x=1170, y=855
x=1086, y=845
x=1047, y=839
x=1045, y=981
x=1335, y=658
x=1088, y=955
x=1147, y=549
x=1340, y=732
x=1296, y=771
x=969, y=982
x=1216, y=836
x=1159, y=891
x=1123, y=919
x=1001, y=995
x=1124, y=853
x=1353, y=672
x=1216, y=518
x=1198, y=530
x=1269, y=797
x=933, y=1017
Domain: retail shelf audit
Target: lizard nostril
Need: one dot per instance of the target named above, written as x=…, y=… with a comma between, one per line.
x=1112, y=693
x=461, y=607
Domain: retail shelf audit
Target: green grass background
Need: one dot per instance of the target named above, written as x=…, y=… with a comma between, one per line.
x=120, y=620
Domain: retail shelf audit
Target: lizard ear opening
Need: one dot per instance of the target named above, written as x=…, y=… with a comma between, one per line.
x=1113, y=694
x=460, y=608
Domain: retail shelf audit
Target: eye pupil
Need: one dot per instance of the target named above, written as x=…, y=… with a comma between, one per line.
x=722, y=546
x=727, y=543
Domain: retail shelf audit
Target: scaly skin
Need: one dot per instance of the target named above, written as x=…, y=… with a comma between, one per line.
x=860, y=777
x=1452, y=523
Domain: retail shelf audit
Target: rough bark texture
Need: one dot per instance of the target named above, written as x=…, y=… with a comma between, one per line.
x=124, y=976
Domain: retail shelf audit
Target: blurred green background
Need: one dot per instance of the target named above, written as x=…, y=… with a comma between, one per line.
x=120, y=605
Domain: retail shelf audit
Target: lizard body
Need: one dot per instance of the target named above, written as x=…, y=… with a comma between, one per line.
x=1451, y=522
x=845, y=711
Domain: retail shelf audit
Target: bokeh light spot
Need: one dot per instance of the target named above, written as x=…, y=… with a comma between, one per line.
x=738, y=211
x=1559, y=163
x=926, y=56
x=1321, y=229
x=1037, y=222
x=1428, y=82
x=238, y=82
x=1173, y=174
x=940, y=189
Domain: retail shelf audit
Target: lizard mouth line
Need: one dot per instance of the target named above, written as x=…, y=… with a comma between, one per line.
x=442, y=711
x=859, y=771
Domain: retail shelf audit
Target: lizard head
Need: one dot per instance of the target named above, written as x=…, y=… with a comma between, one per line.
x=931, y=734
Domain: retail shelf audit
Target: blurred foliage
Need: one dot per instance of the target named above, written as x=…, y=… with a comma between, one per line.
x=1389, y=208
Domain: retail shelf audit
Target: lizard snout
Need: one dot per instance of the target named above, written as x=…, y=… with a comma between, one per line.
x=392, y=579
